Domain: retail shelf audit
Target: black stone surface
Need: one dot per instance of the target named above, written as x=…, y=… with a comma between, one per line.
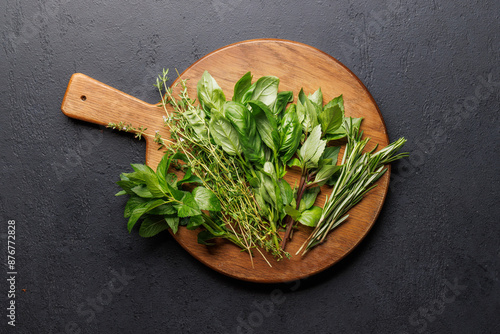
x=431, y=263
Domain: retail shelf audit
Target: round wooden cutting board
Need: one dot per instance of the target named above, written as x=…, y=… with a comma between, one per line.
x=298, y=66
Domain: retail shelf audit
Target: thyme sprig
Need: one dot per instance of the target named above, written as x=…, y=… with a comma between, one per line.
x=218, y=171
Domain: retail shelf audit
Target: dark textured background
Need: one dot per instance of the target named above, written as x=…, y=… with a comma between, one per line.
x=430, y=264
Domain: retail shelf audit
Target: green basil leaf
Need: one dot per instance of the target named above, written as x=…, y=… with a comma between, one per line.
x=292, y=212
x=329, y=157
x=261, y=203
x=188, y=207
x=331, y=152
x=210, y=95
x=266, y=90
x=224, y=134
x=295, y=163
x=325, y=172
x=282, y=100
x=338, y=101
x=135, y=177
x=313, y=148
x=307, y=112
x=244, y=123
x=151, y=226
x=253, y=181
x=341, y=132
x=308, y=198
x=311, y=217
x=286, y=191
x=270, y=183
x=317, y=97
x=290, y=131
x=242, y=87
x=330, y=119
x=206, y=199
x=196, y=119
x=267, y=126
x=356, y=122
x=333, y=179
x=262, y=190
x=248, y=95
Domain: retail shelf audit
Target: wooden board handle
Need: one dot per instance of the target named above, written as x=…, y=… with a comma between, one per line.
x=92, y=101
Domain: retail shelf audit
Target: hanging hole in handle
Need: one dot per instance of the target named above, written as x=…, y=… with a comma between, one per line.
x=83, y=97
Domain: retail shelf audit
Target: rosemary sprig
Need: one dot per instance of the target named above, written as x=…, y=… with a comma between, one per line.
x=359, y=172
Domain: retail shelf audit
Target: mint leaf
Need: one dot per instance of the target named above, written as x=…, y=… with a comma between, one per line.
x=189, y=178
x=132, y=203
x=141, y=209
x=204, y=236
x=152, y=226
x=206, y=199
x=163, y=210
x=188, y=207
x=142, y=191
x=161, y=169
x=171, y=179
x=173, y=223
x=195, y=222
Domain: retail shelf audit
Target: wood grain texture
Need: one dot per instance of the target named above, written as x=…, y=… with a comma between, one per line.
x=298, y=66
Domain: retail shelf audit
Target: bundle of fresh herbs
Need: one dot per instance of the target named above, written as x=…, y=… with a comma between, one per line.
x=234, y=155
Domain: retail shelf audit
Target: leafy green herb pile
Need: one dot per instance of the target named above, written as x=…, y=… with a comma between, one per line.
x=233, y=156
